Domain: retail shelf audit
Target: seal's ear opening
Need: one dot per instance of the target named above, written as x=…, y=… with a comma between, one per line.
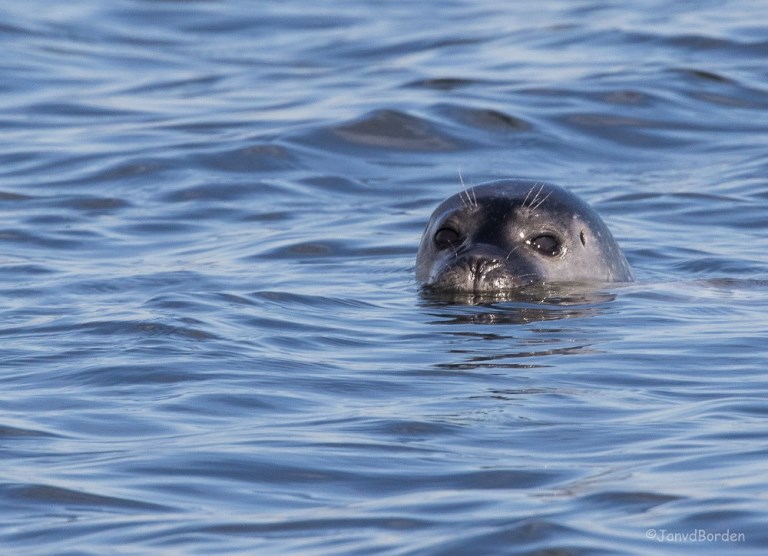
x=583, y=238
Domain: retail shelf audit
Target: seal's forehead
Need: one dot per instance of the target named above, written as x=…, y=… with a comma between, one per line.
x=522, y=190
x=510, y=194
x=524, y=193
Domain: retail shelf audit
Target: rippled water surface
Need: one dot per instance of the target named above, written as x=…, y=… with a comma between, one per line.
x=212, y=339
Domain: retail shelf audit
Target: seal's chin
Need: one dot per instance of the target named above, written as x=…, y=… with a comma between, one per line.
x=477, y=275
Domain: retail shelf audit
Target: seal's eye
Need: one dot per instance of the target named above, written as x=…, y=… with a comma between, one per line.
x=446, y=237
x=546, y=245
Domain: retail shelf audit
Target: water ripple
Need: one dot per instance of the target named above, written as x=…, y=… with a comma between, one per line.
x=213, y=341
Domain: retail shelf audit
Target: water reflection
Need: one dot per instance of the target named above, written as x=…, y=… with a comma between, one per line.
x=512, y=359
x=525, y=343
x=534, y=304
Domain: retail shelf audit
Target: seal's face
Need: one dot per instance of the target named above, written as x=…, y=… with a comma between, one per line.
x=514, y=233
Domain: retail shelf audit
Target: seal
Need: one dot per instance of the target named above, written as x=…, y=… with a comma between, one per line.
x=510, y=234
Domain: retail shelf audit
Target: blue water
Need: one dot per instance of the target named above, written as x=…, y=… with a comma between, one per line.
x=212, y=339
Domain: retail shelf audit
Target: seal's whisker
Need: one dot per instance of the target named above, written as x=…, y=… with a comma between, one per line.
x=536, y=197
x=465, y=201
x=541, y=202
x=468, y=197
x=515, y=248
x=528, y=194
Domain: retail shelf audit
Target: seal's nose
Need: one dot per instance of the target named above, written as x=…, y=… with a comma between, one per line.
x=481, y=270
x=480, y=265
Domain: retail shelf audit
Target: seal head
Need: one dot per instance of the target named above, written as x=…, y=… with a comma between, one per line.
x=511, y=234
